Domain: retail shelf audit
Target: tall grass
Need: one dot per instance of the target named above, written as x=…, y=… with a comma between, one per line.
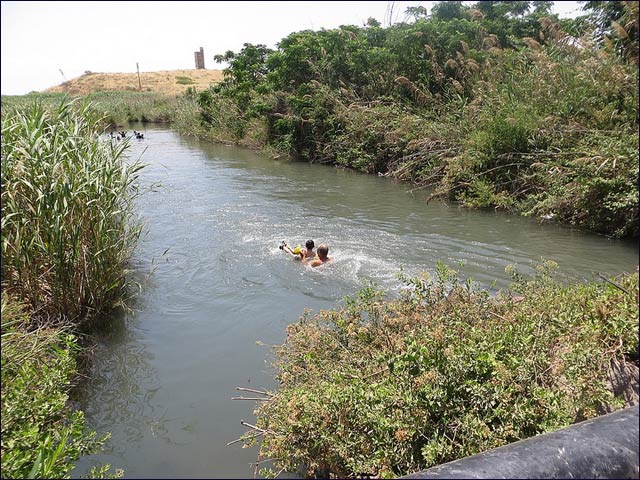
x=123, y=107
x=118, y=107
x=67, y=223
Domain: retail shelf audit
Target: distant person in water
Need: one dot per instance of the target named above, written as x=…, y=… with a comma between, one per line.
x=301, y=254
x=308, y=250
x=322, y=256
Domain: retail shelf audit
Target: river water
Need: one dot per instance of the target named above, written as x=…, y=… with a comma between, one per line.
x=217, y=292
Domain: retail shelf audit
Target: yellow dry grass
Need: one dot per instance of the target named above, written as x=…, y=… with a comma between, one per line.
x=164, y=82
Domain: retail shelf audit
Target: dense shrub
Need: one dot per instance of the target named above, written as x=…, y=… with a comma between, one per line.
x=388, y=388
x=67, y=235
x=507, y=104
x=41, y=435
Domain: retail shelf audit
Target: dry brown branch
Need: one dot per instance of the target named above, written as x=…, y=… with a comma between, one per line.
x=375, y=373
x=241, y=439
x=258, y=429
x=257, y=399
x=614, y=284
x=243, y=389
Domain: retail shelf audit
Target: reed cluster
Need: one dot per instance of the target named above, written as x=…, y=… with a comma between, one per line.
x=118, y=107
x=68, y=232
x=67, y=224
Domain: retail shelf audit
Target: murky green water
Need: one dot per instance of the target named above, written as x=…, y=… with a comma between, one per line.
x=163, y=379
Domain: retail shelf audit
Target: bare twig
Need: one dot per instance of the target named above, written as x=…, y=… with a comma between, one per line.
x=243, y=389
x=245, y=438
x=265, y=461
x=614, y=284
x=538, y=154
x=618, y=347
x=259, y=399
x=498, y=316
x=258, y=429
x=375, y=373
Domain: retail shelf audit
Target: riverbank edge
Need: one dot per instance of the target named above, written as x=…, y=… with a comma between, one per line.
x=255, y=143
x=184, y=115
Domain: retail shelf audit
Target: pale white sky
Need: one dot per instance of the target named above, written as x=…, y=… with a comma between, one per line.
x=41, y=38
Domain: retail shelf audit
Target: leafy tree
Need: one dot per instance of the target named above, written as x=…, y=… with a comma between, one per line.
x=541, y=6
x=417, y=12
x=372, y=22
x=448, y=10
x=495, y=80
x=247, y=69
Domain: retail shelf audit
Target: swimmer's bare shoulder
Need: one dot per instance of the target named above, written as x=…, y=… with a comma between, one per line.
x=316, y=262
x=322, y=256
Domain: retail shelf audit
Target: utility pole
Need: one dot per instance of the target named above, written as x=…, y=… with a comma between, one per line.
x=139, y=84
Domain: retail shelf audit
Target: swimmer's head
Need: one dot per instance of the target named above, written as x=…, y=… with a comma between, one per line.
x=323, y=251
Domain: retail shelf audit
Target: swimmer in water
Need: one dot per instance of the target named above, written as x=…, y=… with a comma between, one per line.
x=322, y=256
x=303, y=254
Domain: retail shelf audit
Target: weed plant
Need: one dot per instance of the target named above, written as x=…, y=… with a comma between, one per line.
x=386, y=388
x=67, y=235
x=41, y=434
x=118, y=107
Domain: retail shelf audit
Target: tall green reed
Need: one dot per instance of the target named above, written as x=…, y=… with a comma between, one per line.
x=67, y=221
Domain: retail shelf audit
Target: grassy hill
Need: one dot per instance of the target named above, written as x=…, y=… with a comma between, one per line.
x=166, y=82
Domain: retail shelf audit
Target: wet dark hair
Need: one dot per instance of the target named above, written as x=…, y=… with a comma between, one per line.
x=310, y=244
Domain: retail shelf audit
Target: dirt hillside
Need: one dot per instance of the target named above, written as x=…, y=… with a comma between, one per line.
x=167, y=82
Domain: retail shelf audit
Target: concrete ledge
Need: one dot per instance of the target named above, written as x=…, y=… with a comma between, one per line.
x=603, y=447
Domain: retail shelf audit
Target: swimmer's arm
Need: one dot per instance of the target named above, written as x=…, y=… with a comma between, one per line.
x=297, y=256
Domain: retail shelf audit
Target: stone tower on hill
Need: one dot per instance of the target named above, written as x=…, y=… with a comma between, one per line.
x=199, y=59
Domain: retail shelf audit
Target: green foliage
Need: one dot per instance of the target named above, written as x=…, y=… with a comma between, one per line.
x=494, y=105
x=68, y=232
x=118, y=107
x=181, y=80
x=41, y=435
x=67, y=225
x=389, y=388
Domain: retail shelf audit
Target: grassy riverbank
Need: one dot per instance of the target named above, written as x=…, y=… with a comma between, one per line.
x=386, y=388
x=68, y=233
x=118, y=107
x=493, y=108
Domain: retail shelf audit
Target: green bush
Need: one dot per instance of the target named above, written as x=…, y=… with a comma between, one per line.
x=181, y=80
x=41, y=435
x=388, y=388
x=503, y=101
